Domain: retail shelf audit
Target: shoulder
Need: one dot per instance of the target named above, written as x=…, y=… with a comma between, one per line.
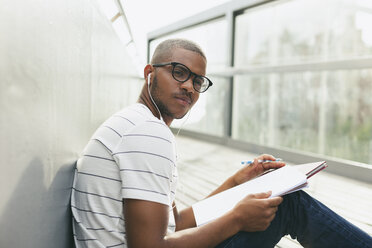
x=148, y=135
x=136, y=119
x=145, y=133
x=153, y=128
x=149, y=125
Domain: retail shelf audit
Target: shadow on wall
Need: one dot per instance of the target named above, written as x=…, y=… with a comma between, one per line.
x=49, y=208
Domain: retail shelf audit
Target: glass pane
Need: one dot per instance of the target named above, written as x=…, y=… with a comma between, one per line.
x=208, y=36
x=303, y=30
x=325, y=112
x=322, y=112
x=208, y=113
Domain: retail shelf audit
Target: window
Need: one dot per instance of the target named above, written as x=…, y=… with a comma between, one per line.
x=322, y=111
x=209, y=112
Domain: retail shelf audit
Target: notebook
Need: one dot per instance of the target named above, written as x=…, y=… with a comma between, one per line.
x=280, y=181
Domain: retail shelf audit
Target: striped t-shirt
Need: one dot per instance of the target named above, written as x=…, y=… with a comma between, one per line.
x=131, y=155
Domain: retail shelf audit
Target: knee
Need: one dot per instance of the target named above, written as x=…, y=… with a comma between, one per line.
x=297, y=199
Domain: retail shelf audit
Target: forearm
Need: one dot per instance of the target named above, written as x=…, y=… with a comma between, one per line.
x=146, y=223
x=186, y=219
x=209, y=235
x=229, y=183
x=246, y=173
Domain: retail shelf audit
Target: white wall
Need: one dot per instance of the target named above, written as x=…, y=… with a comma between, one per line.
x=62, y=72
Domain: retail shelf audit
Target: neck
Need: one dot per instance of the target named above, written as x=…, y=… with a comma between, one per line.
x=145, y=99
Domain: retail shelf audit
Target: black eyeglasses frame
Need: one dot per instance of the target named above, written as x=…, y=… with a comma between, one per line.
x=174, y=64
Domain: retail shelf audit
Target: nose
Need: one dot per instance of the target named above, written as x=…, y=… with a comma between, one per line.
x=188, y=85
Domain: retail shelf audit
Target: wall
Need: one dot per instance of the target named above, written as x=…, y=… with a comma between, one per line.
x=62, y=72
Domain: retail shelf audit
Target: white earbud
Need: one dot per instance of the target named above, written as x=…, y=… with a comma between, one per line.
x=148, y=89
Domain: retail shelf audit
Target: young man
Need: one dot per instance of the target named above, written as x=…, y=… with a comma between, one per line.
x=125, y=182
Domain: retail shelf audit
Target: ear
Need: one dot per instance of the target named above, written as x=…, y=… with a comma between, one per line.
x=147, y=71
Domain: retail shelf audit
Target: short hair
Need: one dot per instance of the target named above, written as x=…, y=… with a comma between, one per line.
x=165, y=49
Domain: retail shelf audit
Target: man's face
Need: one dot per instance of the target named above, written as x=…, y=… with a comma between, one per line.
x=175, y=99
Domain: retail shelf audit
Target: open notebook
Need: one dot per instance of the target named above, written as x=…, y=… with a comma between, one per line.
x=280, y=181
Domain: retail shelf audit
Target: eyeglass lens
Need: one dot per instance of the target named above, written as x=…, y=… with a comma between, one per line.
x=182, y=74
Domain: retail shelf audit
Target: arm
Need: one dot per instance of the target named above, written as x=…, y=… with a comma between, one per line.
x=146, y=226
x=146, y=223
x=247, y=173
x=185, y=218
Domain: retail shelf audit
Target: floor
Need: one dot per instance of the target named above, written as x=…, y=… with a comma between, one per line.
x=203, y=166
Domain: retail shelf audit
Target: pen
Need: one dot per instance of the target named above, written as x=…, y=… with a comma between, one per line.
x=261, y=161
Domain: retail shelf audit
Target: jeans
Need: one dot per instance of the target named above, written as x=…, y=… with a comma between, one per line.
x=308, y=221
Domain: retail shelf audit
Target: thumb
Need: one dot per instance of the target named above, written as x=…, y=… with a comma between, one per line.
x=263, y=195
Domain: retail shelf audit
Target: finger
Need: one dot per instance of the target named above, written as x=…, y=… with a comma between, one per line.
x=262, y=195
x=266, y=157
x=273, y=165
x=255, y=163
x=275, y=209
x=269, y=157
x=272, y=217
x=275, y=201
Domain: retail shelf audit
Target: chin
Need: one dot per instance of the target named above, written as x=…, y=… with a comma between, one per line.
x=180, y=116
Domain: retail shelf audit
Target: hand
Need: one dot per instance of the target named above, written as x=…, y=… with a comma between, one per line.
x=255, y=169
x=255, y=212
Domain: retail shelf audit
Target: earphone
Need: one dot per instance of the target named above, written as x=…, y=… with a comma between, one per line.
x=148, y=79
x=148, y=89
x=161, y=117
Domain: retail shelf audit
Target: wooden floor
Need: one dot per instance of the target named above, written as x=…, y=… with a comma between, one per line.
x=203, y=166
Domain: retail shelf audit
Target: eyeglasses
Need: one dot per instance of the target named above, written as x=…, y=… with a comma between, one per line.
x=182, y=73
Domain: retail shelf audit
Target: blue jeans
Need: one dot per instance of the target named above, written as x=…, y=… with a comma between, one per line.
x=308, y=221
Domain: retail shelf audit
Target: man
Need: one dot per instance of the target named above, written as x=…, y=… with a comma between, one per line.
x=125, y=182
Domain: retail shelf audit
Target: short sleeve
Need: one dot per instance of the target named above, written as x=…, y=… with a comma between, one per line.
x=146, y=159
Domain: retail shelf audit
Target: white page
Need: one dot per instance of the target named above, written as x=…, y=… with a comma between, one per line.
x=279, y=182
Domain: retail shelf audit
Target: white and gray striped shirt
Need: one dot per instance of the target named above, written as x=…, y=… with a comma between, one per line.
x=131, y=155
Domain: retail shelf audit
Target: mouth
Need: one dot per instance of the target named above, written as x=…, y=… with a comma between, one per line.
x=184, y=100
